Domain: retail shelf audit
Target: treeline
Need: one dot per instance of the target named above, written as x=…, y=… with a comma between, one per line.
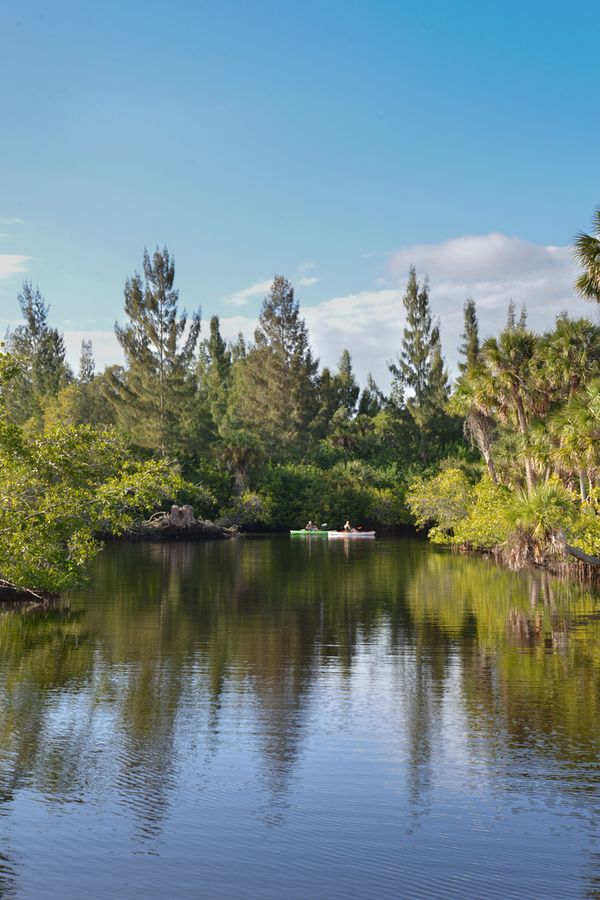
x=272, y=438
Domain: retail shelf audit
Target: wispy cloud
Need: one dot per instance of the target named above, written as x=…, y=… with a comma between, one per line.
x=11, y=264
x=13, y=221
x=240, y=298
x=307, y=266
x=260, y=288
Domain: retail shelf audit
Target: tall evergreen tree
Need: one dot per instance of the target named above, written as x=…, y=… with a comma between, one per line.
x=439, y=389
x=87, y=365
x=470, y=336
x=214, y=371
x=413, y=366
x=347, y=387
x=238, y=348
x=328, y=401
x=151, y=393
x=41, y=351
x=276, y=390
x=420, y=380
x=511, y=316
x=512, y=323
x=371, y=399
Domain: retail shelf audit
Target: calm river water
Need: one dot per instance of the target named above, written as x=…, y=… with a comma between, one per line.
x=276, y=718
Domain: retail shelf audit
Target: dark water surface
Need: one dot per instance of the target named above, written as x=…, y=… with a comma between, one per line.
x=274, y=718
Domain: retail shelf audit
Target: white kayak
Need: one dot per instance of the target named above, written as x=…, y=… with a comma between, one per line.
x=351, y=534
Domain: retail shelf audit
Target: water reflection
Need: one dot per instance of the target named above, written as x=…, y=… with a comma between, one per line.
x=373, y=690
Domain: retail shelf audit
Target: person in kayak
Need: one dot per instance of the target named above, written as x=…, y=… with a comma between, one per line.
x=311, y=526
x=348, y=526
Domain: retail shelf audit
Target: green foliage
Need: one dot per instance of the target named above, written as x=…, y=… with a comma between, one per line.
x=275, y=385
x=354, y=491
x=346, y=385
x=420, y=380
x=470, y=336
x=40, y=351
x=58, y=492
x=587, y=254
x=79, y=403
x=413, y=366
x=214, y=373
x=488, y=521
x=444, y=500
x=549, y=507
x=252, y=508
x=584, y=530
x=216, y=483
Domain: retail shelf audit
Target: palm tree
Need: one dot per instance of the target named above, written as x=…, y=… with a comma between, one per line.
x=479, y=426
x=507, y=389
x=570, y=355
x=578, y=424
x=586, y=250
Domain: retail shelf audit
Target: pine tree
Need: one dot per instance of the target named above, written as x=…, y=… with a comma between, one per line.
x=87, y=365
x=439, y=389
x=470, y=336
x=420, y=379
x=238, y=348
x=276, y=391
x=214, y=371
x=328, y=400
x=41, y=351
x=150, y=394
x=413, y=366
x=347, y=388
x=371, y=399
x=511, y=316
x=512, y=323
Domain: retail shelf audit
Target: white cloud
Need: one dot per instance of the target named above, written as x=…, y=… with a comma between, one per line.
x=11, y=264
x=305, y=281
x=368, y=323
x=231, y=326
x=481, y=257
x=13, y=221
x=105, y=347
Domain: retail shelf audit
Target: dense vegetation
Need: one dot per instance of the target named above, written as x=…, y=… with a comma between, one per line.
x=259, y=435
x=531, y=404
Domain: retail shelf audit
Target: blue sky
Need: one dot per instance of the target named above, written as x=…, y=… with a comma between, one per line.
x=333, y=142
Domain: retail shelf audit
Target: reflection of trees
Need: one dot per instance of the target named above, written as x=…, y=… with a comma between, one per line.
x=104, y=688
x=529, y=671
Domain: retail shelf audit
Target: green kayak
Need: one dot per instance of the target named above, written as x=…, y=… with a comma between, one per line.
x=310, y=533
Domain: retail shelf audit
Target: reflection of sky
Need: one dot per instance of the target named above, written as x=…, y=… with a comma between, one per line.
x=315, y=778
